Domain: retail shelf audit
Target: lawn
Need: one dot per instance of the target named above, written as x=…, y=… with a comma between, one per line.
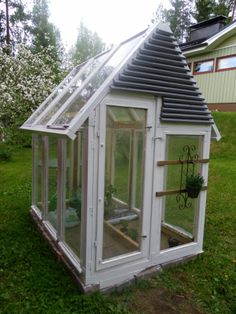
x=31, y=280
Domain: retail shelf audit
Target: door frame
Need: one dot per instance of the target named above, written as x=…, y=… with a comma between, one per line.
x=147, y=103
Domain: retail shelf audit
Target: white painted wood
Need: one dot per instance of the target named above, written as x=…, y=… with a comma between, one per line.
x=61, y=188
x=134, y=161
x=84, y=197
x=36, y=211
x=93, y=183
x=34, y=168
x=203, y=194
x=44, y=181
x=61, y=131
x=50, y=229
x=215, y=133
x=91, y=179
x=101, y=184
x=144, y=244
x=157, y=183
x=71, y=256
x=190, y=248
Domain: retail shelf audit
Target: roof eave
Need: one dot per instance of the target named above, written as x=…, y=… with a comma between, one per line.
x=212, y=41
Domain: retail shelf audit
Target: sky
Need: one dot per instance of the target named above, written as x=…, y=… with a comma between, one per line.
x=113, y=20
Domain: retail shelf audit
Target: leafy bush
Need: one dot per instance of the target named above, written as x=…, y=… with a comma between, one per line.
x=5, y=153
x=26, y=80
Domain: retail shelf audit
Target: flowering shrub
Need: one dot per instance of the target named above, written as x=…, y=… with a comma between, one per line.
x=26, y=80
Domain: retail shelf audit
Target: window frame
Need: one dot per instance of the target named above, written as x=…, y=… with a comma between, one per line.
x=224, y=57
x=201, y=61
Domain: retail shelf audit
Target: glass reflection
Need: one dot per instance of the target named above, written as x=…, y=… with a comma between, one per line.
x=54, y=94
x=80, y=100
x=125, y=146
x=38, y=171
x=178, y=223
x=85, y=72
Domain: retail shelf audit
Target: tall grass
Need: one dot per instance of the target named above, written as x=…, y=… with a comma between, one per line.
x=31, y=280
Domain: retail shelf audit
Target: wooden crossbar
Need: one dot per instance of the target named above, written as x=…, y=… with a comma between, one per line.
x=178, y=162
x=171, y=192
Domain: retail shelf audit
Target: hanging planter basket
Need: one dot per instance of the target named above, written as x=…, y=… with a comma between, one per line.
x=194, y=185
x=193, y=192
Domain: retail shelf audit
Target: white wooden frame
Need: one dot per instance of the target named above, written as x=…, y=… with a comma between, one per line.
x=129, y=102
x=121, y=268
x=195, y=247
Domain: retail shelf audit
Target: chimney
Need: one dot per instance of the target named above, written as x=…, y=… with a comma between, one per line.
x=206, y=29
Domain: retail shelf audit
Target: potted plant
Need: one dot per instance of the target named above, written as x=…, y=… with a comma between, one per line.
x=194, y=185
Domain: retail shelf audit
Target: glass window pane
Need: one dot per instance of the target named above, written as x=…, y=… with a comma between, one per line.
x=125, y=146
x=178, y=224
x=85, y=72
x=139, y=146
x=203, y=66
x=177, y=216
x=54, y=94
x=75, y=168
x=38, y=172
x=52, y=181
x=96, y=81
x=226, y=63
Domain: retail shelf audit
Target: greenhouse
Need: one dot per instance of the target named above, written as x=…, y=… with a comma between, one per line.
x=114, y=148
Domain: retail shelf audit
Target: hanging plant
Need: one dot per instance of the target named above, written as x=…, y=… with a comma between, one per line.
x=194, y=184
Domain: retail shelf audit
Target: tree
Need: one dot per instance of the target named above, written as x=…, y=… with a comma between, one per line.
x=178, y=17
x=88, y=44
x=25, y=81
x=204, y=10
x=44, y=33
x=223, y=7
x=14, y=20
x=46, y=36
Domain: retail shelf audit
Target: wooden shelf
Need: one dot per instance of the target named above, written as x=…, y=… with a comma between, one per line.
x=171, y=192
x=179, y=162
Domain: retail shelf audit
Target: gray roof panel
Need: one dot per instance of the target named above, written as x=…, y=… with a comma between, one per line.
x=158, y=67
x=161, y=78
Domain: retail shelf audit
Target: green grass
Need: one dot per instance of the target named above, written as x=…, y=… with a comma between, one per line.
x=31, y=280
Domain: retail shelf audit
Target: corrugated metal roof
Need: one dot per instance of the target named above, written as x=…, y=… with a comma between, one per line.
x=160, y=68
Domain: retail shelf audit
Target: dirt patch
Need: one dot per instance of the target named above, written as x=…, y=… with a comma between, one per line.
x=162, y=301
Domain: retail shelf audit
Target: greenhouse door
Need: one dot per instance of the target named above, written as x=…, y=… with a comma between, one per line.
x=125, y=180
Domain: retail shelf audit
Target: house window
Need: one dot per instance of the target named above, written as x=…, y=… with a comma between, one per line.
x=226, y=63
x=205, y=66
